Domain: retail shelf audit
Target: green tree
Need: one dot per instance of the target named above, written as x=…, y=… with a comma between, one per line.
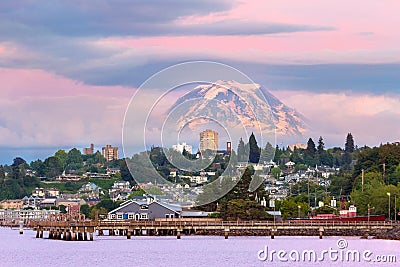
x=97, y=213
x=278, y=154
x=310, y=150
x=276, y=172
x=241, y=154
x=295, y=156
x=85, y=209
x=240, y=209
x=2, y=174
x=268, y=153
x=289, y=208
x=63, y=209
x=52, y=167
x=254, y=152
x=126, y=174
x=62, y=156
x=310, y=153
x=349, y=145
x=321, y=146
x=37, y=166
x=74, y=159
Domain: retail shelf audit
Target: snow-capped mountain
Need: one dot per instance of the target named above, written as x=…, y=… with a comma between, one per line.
x=236, y=105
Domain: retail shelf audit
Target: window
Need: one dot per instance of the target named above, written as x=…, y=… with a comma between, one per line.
x=119, y=216
x=131, y=216
x=143, y=216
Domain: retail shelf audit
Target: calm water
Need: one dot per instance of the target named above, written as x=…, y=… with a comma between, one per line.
x=25, y=250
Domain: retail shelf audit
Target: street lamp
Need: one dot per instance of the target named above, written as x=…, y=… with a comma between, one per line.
x=299, y=207
x=389, y=205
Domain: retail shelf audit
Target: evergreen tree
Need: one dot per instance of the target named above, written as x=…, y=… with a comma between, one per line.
x=349, y=145
x=268, y=153
x=241, y=154
x=278, y=154
x=2, y=174
x=310, y=150
x=254, y=150
x=125, y=172
x=321, y=145
x=309, y=153
x=295, y=156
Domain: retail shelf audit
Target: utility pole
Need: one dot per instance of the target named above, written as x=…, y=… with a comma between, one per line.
x=395, y=208
x=308, y=191
x=384, y=173
x=362, y=180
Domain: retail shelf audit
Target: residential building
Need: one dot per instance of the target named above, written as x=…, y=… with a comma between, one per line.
x=45, y=192
x=110, y=171
x=12, y=204
x=120, y=190
x=32, y=202
x=181, y=147
x=26, y=215
x=88, y=150
x=89, y=190
x=110, y=153
x=208, y=140
x=68, y=177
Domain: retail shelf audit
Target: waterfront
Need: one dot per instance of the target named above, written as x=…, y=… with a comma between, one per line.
x=26, y=250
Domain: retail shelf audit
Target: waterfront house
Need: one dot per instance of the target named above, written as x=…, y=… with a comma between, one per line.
x=144, y=210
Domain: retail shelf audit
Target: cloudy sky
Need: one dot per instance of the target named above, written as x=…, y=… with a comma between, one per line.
x=69, y=68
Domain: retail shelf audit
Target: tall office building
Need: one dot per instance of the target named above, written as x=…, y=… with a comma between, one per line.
x=208, y=140
x=110, y=153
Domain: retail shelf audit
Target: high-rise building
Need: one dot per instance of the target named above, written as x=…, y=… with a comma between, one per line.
x=88, y=150
x=208, y=140
x=181, y=147
x=110, y=153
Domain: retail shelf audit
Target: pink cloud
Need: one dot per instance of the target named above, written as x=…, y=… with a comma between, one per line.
x=38, y=108
x=345, y=43
x=20, y=83
x=370, y=118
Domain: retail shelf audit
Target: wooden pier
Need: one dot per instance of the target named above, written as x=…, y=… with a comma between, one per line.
x=85, y=230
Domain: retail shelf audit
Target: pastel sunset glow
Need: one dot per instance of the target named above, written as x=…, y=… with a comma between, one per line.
x=68, y=69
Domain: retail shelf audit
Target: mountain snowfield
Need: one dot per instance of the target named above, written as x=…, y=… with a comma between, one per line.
x=235, y=105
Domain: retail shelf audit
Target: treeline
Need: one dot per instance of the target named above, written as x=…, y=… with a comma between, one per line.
x=372, y=181
x=15, y=182
x=317, y=154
